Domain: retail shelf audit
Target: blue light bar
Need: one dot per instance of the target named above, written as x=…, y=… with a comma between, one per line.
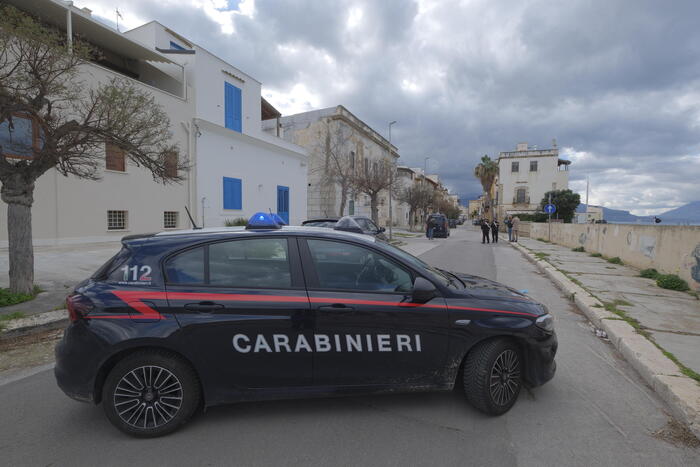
x=262, y=221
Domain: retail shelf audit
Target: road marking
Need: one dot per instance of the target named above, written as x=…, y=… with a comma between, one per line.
x=17, y=375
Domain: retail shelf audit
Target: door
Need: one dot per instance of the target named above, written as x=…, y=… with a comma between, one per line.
x=243, y=306
x=283, y=203
x=368, y=330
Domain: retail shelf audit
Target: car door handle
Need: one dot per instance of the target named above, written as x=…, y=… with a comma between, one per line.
x=203, y=307
x=337, y=308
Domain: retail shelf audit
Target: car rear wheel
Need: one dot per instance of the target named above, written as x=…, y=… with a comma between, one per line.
x=492, y=376
x=150, y=394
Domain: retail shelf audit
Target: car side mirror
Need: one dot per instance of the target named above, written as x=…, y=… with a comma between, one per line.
x=423, y=290
x=382, y=230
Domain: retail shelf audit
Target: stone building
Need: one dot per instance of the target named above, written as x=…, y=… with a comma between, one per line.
x=338, y=144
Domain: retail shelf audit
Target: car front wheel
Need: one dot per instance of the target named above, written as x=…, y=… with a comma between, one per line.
x=492, y=376
x=150, y=394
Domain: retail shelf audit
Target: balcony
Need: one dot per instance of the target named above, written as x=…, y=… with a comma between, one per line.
x=525, y=200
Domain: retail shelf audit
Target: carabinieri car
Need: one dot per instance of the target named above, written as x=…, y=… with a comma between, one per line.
x=181, y=320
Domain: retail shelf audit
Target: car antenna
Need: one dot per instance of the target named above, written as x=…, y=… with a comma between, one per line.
x=194, y=226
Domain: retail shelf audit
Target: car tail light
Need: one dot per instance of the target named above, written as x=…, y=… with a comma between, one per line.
x=79, y=306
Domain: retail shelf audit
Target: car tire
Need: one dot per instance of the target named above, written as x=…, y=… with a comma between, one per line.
x=150, y=393
x=493, y=376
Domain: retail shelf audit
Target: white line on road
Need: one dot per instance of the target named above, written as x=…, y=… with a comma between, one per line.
x=12, y=376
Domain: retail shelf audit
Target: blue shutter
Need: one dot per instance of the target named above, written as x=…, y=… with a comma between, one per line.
x=233, y=107
x=233, y=193
x=176, y=46
x=283, y=202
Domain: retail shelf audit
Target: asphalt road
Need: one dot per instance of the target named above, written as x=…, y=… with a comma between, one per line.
x=596, y=411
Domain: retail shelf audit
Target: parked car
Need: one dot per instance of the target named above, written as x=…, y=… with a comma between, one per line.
x=476, y=222
x=452, y=223
x=357, y=224
x=443, y=227
x=328, y=222
x=184, y=320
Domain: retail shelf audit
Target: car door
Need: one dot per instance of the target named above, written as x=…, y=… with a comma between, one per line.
x=366, y=329
x=242, y=305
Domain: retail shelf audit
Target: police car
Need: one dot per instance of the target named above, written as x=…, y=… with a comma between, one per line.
x=176, y=321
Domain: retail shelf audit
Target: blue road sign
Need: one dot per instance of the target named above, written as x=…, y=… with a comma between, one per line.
x=550, y=208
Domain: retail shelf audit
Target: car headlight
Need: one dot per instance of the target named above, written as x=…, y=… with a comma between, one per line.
x=545, y=322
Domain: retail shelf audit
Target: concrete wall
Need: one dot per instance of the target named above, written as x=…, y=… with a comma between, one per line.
x=670, y=249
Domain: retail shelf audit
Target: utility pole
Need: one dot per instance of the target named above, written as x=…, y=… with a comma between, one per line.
x=549, y=224
x=588, y=181
x=391, y=185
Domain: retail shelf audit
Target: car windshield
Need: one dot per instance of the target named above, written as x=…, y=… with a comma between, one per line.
x=443, y=278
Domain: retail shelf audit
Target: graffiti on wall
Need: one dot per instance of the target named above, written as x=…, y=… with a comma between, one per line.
x=582, y=238
x=695, y=269
x=647, y=245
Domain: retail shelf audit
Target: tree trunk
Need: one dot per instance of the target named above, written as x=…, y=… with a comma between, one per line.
x=374, y=208
x=343, y=200
x=19, y=196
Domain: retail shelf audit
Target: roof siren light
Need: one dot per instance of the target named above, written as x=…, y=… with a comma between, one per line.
x=262, y=221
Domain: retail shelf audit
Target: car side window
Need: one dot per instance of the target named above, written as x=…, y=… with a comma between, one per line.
x=186, y=267
x=258, y=262
x=372, y=226
x=345, y=266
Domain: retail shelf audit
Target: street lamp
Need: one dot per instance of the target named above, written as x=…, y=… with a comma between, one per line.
x=391, y=184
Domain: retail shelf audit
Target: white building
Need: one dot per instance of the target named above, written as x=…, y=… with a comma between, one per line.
x=525, y=175
x=239, y=168
x=215, y=112
x=351, y=141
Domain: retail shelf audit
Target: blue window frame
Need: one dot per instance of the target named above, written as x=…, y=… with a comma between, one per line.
x=233, y=193
x=283, y=202
x=176, y=46
x=232, y=107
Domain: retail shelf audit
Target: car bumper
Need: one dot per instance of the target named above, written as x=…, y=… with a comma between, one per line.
x=540, y=364
x=76, y=363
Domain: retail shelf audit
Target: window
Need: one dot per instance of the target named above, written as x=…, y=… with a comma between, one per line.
x=232, y=107
x=233, y=196
x=351, y=207
x=116, y=220
x=520, y=196
x=533, y=166
x=176, y=46
x=186, y=267
x=352, y=160
x=260, y=262
x=171, y=164
x=115, y=158
x=366, y=166
x=515, y=166
x=350, y=267
x=170, y=219
x=21, y=138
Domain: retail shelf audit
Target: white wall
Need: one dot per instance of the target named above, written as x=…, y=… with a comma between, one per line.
x=260, y=165
x=70, y=210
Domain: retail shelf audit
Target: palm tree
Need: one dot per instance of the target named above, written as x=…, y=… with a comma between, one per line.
x=486, y=172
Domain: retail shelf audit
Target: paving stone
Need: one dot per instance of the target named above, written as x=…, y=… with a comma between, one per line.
x=592, y=267
x=685, y=347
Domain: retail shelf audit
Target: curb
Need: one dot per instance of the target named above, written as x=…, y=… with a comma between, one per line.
x=681, y=393
x=35, y=323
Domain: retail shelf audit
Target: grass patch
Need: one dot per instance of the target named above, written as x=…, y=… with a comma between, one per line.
x=579, y=249
x=684, y=369
x=615, y=260
x=405, y=235
x=237, y=222
x=540, y=255
x=671, y=281
x=596, y=255
x=8, y=298
x=9, y=317
x=650, y=273
x=540, y=239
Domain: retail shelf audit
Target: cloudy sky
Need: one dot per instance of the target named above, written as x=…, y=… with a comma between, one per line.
x=616, y=82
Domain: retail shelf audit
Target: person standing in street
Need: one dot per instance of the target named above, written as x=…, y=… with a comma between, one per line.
x=494, y=231
x=485, y=231
x=509, y=226
x=430, y=228
x=516, y=226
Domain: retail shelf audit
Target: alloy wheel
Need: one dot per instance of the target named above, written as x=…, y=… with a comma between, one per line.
x=505, y=377
x=148, y=397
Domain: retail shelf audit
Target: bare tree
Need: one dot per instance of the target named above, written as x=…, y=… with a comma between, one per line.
x=339, y=159
x=70, y=123
x=415, y=196
x=376, y=177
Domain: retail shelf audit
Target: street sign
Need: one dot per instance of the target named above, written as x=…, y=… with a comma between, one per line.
x=550, y=208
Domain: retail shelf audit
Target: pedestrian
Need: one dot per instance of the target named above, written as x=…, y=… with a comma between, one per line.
x=430, y=227
x=509, y=226
x=485, y=231
x=516, y=226
x=494, y=230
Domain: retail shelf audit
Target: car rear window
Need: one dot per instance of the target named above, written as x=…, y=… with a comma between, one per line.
x=186, y=267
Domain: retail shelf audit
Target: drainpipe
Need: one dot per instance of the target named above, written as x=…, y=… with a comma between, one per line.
x=69, y=26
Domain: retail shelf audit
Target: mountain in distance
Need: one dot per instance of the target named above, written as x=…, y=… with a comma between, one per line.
x=689, y=213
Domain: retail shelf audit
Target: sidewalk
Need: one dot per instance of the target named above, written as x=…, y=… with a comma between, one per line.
x=672, y=318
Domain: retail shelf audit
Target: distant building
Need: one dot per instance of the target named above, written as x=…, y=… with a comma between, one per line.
x=525, y=175
x=335, y=137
